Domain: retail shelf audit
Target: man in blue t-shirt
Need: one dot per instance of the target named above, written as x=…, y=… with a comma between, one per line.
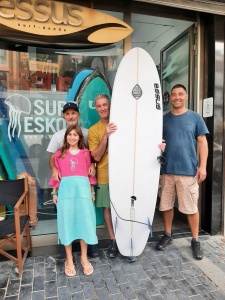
x=183, y=131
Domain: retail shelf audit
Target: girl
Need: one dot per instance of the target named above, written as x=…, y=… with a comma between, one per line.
x=74, y=197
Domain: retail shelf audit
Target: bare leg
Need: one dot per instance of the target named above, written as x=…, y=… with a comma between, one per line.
x=168, y=219
x=87, y=266
x=69, y=266
x=69, y=256
x=108, y=222
x=194, y=224
x=84, y=258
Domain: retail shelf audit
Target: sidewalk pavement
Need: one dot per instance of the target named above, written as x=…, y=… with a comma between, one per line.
x=171, y=274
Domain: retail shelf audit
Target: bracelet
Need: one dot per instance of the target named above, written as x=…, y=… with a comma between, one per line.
x=54, y=193
x=93, y=193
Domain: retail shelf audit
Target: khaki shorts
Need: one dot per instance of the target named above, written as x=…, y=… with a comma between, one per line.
x=187, y=190
x=102, y=196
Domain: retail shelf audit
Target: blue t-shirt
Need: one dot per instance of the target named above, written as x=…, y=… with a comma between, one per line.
x=180, y=133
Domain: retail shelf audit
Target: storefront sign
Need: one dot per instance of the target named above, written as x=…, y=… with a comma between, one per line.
x=41, y=12
x=73, y=23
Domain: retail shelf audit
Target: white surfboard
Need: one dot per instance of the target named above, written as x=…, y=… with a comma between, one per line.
x=134, y=169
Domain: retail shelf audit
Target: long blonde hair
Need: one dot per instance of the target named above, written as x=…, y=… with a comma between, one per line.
x=66, y=145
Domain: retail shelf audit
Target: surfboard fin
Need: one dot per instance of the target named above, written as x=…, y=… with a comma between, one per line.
x=131, y=245
x=115, y=225
x=150, y=227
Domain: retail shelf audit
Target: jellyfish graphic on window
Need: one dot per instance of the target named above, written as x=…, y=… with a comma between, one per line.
x=17, y=104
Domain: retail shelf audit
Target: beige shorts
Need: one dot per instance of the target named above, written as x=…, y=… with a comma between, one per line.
x=187, y=190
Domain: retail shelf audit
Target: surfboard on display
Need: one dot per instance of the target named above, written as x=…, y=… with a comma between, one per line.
x=134, y=169
x=94, y=84
x=76, y=83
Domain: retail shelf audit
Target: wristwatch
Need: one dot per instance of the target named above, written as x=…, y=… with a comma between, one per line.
x=54, y=193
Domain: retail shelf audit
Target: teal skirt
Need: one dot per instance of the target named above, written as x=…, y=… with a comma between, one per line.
x=76, y=219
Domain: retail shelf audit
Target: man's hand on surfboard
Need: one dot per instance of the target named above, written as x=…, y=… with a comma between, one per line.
x=161, y=158
x=162, y=146
x=110, y=128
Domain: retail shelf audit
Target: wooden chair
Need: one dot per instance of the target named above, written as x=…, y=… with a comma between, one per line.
x=32, y=198
x=12, y=230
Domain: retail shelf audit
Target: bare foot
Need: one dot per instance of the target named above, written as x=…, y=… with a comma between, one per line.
x=87, y=269
x=87, y=266
x=70, y=271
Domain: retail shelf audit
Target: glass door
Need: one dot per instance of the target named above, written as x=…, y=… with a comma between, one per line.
x=178, y=66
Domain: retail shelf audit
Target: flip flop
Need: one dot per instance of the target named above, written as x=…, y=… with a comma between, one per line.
x=70, y=271
x=88, y=270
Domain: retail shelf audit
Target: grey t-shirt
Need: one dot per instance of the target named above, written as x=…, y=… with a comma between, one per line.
x=57, y=139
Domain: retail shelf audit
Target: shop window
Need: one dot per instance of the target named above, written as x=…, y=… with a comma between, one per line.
x=34, y=84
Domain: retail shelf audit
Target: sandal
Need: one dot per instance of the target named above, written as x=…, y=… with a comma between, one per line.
x=70, y=271
x=88, y=270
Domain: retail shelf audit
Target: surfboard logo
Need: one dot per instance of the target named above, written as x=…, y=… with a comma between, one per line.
x=157, y=96
x=137, y=92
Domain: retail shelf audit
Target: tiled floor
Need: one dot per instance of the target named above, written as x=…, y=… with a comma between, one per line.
x=171, y=274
